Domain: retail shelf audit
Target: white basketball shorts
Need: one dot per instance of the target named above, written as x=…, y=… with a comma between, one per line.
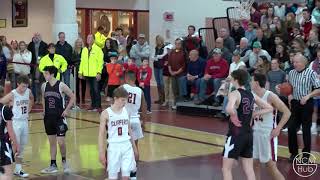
x=264, y=147
x=21, y=130
x=137, y=132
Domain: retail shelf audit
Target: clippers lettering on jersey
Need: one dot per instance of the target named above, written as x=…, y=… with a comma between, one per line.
x=247, y=107
x=120, y=122
x=54, y=94
x=22, y=102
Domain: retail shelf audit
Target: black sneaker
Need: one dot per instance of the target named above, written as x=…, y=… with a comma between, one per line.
x=133, y=175
x=292, y=157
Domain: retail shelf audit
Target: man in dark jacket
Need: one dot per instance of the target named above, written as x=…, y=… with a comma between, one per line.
x=64, y=49
x=38, y=48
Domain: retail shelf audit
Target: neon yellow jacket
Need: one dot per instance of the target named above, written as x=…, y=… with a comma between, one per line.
x=100, y=39
x=91, y=64
x=58, y=61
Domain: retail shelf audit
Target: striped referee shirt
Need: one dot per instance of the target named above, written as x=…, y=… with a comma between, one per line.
x=303, y=82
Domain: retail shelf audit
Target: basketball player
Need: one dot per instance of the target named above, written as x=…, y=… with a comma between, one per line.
x=22, y=100
x=135, y=102
x=55, y=116
x=7, y=148
x=239, y=138
x=121, y=150
x=266, y=130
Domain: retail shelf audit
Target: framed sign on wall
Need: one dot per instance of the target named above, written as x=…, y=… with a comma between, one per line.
x=19, y=13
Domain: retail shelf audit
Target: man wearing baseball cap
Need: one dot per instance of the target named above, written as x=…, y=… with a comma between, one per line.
x=140, y=50
x=257, y=52
x=216, y=70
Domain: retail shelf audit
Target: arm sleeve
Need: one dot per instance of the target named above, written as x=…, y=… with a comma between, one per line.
x=6, y=113
x=64, y=64
x=315, y=80
x=165, y=52
x=81, y=65
x=41, y=64
x=145, y=52
x=203, y=67
x=149, y=75
x=27, y=57
x=100, y=62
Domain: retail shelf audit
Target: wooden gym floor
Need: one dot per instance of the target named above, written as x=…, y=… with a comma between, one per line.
x=175, y=147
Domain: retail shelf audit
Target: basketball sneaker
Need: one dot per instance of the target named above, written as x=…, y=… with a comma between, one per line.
x=66, y=168
x=133, y=176
x=21, y=173
x=50, y=170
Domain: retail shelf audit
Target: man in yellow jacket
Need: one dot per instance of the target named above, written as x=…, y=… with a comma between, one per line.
x=91, y=68
x=100, y=38
x=53, y=59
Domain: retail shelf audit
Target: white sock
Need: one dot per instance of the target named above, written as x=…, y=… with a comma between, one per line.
x=314, y=125
x=18, y=167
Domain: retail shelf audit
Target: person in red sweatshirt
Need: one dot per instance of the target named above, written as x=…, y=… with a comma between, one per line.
x=130, y=66
x=115, y=72
x=306, y=24
x=216, y=70
x=144, y=78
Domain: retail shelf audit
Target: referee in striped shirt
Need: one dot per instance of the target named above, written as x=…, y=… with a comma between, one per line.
x=305, y=85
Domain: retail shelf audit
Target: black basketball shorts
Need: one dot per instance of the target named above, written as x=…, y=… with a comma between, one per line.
x=55, y=125
x=238, y=146
x=6, y=153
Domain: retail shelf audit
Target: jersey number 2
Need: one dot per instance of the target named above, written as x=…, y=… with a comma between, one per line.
x=132, y=98
x=119, y=131
x=24, y=110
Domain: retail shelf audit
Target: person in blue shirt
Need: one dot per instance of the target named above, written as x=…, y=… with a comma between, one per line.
x=195, y=71
x=3, y=67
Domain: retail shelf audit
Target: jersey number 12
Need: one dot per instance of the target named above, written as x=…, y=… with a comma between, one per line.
x=24, y=110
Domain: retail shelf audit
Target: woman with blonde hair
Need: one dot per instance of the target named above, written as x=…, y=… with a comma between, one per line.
x=22, y=55
x=76, y=57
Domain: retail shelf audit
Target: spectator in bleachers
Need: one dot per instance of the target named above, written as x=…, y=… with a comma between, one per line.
x=177, y=67
x=38, y=48
x=306, y=24
x=299, y=45
x=90, y=69
x=299, y=12
x=267, y=33
x=281, y=29
x=267, y=44
x=115, y=37
x=159, y=53
x=290, y=22
x=15, y=46
x=123, y=56
x=228, y=41
x=168, y=94
x=257, y=52
x=288, y=66
x=23, y=55
x=276, y=76
x=244, y=50
x=255, y=15
x=7, y=51
x=195, y=71
x=262, y=65
x=10, y=70
x=3, y=66
x=316, y=14
x=121, y=39
x=313, y=43
x=53, y=59
x=267, y=18
x=76, y=59
x=192, y=41
x=296, y=33
x=109, y=47
x=250, y=33
x=216, y=70
x=131, y=40
x=144, y=78
x=130, y=66
x=281, y=53
x=99, y=37
x=237, y=32
x=280, y=10
x=140, y=50
x=226, y=53
x=115, y=72
x=64, y=49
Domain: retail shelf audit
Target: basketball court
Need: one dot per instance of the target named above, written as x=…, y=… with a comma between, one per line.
x=175, y=147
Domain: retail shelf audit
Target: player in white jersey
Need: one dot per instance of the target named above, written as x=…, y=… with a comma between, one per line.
x=266, y=130
x=121, y=149
x=21, y=100
x=135, y=102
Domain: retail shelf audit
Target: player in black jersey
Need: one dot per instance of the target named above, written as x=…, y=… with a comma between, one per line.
x=239, y=141
x=55, y=116
x=8, y=147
